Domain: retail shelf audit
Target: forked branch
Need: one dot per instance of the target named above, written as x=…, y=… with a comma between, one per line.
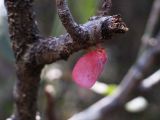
x=32, y=51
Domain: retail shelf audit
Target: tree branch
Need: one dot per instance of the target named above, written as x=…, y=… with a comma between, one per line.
x=23, y=33
x=129, y=84
x=153, y=18
x=67, y=20
x=22, y=25
x=55, y=48
x=150, y=83
x=32, y=51
x=105, y=7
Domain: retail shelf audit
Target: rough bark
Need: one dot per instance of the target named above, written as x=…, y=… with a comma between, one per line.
x=32, y=51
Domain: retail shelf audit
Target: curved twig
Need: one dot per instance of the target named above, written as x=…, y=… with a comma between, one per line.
x=67, y=20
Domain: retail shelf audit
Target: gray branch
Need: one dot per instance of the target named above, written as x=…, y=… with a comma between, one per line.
x=132, y=82
x=99, y=29
x=32, y=51
x=123, y=94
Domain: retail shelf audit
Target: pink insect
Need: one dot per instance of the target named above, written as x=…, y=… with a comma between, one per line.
x=89, y=67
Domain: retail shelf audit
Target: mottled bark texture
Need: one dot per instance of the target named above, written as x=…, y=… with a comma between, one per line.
x=32, y=51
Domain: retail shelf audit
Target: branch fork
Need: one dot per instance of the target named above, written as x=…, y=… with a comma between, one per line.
x=32, y=51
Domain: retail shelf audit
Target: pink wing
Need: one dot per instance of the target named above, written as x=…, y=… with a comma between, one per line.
x=89, y=67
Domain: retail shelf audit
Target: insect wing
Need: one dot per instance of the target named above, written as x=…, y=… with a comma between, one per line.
x=89, y=67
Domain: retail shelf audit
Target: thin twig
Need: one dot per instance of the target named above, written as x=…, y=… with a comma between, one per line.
x=152, y=21
x=151, y=82
x=105, y=7
x=67, y=20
